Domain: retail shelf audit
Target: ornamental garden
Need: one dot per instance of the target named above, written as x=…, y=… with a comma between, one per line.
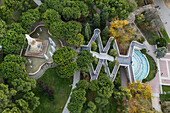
x=79, y=56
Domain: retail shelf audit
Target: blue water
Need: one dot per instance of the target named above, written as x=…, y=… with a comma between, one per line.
x=140, y=65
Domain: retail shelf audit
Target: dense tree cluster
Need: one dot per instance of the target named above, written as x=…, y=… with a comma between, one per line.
x=18, y=83
x=78, y=97
x=63, y=58
x=13, y=41
x=84, y=60
x=141, y=95
x=28, y=18
x=20, y=5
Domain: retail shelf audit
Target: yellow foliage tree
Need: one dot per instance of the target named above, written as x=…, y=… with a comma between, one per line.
x=141, y=98
x=121, y=30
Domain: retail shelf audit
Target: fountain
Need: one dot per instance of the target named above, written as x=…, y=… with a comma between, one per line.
x=40, y=30
x=52, y=42
x=51, y=54
x=53, y=49
x=34, y=45
x=29, y=60
x=38, y=34
x=30, y=66
x=46, y=57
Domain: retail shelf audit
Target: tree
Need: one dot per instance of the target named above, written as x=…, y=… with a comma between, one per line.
x=105, y=86
x=21, y=5
x=43, y=8
x=77, y=100
x=67, y=13
x=65, y=30
x=96, y=21
x=17, y=27
x=93, y=46
x=5, y=14
x=64, y=56
x=122, y=92
x=50, y=16
x=87, y=31
x=12, y=42
x=91, y=106
x=82, y=84
x=66, y=71
x=105, y=32
x=61, y=29
x=161, y=52
x=76, y=40
x=6, y=94
x=15, y=58
x=161, y=42
x=28, y=18
x=104, y=17
x=23, y=105
x=141, y=95
x=113, y=53
x=84, y=60
x=3, y=27
x=140, y=18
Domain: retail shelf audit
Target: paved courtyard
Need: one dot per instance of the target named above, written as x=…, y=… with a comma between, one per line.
x=164, y=70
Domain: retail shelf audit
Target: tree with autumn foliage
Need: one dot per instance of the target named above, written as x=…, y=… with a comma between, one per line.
x=121, y=30
x=141, y=98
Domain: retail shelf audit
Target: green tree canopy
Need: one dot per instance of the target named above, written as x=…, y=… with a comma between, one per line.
x=28, y=18
x=161, y=52
x=64, y=56
x=19, y=5
x=104, y=17
x=76, y=40
x=84, y=60
x=96, y=21
x=3, y=27
x=50, y=16
x=5, y=94
x=12, y=42
x=82, y=84
x=5, y=14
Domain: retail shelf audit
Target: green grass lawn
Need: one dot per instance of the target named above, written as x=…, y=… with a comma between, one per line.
x=164, y=33
x=62, y=91
x=165, y=97
x=153, y=68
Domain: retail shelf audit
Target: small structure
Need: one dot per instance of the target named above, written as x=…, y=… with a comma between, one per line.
x=36, y=47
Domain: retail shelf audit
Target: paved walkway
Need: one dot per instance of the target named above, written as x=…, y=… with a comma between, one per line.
x=38, y=2
x=42, y=70
x=164, y=14
x=76, y=78
x=155, y=83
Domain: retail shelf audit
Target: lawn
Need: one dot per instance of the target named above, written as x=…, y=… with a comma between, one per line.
x=165, y=97
x=164, y=33
x=153, y=67
x=166, y=89
x=62, y=91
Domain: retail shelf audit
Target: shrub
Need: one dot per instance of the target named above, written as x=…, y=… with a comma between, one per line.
x=143, y=51
x=161, y=42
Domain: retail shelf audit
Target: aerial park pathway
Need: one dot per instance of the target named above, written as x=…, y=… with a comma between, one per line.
x=124, y=60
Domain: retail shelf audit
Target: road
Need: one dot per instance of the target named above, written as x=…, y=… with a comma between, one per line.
x=164, y=14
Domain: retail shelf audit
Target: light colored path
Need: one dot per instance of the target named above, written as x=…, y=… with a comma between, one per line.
x=76, y=78
x=155, y=83
x=164, y=14
x=102, y=56
x=38, y=2
x=42, y=70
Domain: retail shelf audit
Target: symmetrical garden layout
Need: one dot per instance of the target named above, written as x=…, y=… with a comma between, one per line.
x=124, y=60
